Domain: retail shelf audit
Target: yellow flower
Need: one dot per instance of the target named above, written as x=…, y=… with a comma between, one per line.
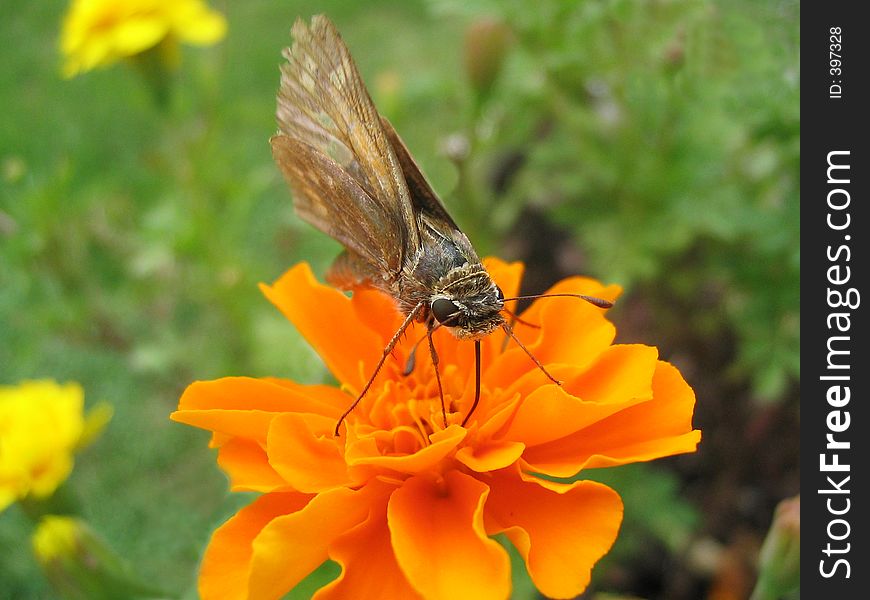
x=100, y=32
x=55, y=538
x=41, y=425
x=79, y=563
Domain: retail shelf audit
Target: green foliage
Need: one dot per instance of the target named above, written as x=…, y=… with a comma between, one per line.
x=664, y=135
x=654, y=508
x=132, y=240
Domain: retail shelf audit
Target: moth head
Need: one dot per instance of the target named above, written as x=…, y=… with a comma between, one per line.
x=471, y=315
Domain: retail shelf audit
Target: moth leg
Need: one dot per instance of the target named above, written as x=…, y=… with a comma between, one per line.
x=387, y=351
x=510, y=333
x=437, y=374
x=515, y=319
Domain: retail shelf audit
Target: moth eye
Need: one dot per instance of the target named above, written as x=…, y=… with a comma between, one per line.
x=444, y=309
x=499, y=294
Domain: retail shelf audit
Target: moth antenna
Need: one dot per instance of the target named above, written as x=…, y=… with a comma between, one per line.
x=599, y=302
x=515, y=318
x=387, y=351
x=510, y=332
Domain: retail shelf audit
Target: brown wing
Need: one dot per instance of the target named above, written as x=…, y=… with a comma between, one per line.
x=330, y=199
x=350, y=272
x=423, y=198
x=324, y=104
x=434, y=218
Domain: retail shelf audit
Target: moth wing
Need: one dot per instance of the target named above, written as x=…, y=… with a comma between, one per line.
x=326, y=196
x=433, y=213
x=324, y=102
x=349, y=271
x=423, y=197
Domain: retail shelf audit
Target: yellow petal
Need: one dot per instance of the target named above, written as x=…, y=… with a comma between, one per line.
x=136, y=35
x=95, y=422
x=195, y=23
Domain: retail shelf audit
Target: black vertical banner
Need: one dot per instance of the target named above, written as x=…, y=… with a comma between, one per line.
x=835, y=370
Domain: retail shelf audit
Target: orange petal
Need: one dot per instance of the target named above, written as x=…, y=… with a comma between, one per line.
x=368, y=564
x=621, y=372
x=365, y=452
x=303, y=449
x=227, y=424
x=490, y=455
x=290, y=546
x=225, y=570
x=268, y=394
x=378, y=312
x=248, y=467
x=560, y=530
x=658, y=427
x=572, y=285
x=572, y=332
x=325, y=317
x=496, y=411
x=243, y=406
x=620, y=378
x=317, y=398
x=436, y=527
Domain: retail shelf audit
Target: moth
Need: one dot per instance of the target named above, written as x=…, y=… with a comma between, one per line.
x=354, y=179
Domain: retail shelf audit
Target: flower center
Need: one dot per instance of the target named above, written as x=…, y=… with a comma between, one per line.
x=408, y=408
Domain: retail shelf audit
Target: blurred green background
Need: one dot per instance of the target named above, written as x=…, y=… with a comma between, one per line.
x=654, y=144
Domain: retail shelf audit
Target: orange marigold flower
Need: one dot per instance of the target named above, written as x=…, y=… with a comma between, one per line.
x=406, y=506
